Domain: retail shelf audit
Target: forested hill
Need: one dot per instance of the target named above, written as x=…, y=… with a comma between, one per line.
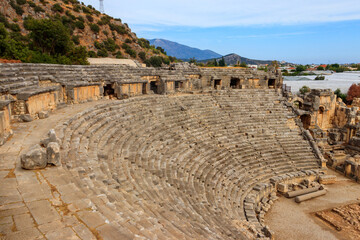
x=66, y=31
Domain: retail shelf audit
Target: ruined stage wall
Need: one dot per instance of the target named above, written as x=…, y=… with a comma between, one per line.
x=32, y=89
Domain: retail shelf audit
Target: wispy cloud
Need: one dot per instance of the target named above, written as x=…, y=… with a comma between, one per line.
x=215, y=13
x=275, y=35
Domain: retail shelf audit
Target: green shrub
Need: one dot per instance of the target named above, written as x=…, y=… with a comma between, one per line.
x=104, y=20
x=98, y=45
x=154, y=61
x=142, y=56
x=14, y=27
x=95, y=28
x=21, y=2
x=18, y=9
x=304, y=89
x=110, y=45
x=89, y=18
x=127, y=40
x=79, y=24
x=106, y=33
x=86, y=10
x=118, y=54
x=76, y=8
x=102, y=53
x=76, y=39
x=144, y=43
x=31, y=4
x=131, y=52
x=91, y=54
x=38, y=9
x=119, y=29
x=57, y=8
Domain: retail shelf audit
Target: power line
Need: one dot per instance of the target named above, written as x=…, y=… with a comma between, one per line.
x=102, y=6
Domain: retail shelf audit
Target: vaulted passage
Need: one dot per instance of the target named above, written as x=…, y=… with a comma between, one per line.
x=109, y=90
x=154, y=87
x=235, y=83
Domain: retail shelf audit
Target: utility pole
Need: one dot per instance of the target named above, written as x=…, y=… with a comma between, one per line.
x=102, y=6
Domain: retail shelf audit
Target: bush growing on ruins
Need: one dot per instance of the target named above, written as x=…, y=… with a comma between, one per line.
x=341, y=95
x=353, y=92
x=95, y=28
x=304, y=89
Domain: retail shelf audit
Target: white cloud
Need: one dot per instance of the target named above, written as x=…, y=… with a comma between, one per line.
x=215, y=13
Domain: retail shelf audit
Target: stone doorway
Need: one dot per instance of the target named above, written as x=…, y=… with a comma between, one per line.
x=235, y=83
x=109, y=90
x=271, y=83
x=306, y=120
x=217, y=84
x=144, y=88
x=154, y=87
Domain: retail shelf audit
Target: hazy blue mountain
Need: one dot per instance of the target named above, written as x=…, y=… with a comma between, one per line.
x=182, y=51
x=232, y=59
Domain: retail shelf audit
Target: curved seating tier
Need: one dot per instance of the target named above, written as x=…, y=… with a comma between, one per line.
x=180, y=167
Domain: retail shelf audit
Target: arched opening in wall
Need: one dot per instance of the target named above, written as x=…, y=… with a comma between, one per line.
x=217, y=83
x=154, y=87
x=298, y=104
x=109, y=90
x=235, y=83
x=306, y=120
x=271, y=83
x=144, y=88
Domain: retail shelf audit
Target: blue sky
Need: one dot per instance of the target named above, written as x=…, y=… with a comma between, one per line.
x=299, y=31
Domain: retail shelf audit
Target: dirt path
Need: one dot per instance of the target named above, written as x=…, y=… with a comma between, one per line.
x=289, y=220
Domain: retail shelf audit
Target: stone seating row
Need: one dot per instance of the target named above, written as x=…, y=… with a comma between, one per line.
x=165, y=160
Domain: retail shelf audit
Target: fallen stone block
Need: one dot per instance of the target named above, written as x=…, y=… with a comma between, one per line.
x=43, y=114
x=53, y=153
x=26, y=118
x=282, y=187
x=309, y=196
x=327, y=179
x=51, y=138
x=35, y=158
x=301, y=192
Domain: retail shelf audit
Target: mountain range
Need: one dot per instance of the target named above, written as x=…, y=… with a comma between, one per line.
x=184, y=52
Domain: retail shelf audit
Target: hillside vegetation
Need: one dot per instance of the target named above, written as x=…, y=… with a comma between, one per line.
x=67, y=32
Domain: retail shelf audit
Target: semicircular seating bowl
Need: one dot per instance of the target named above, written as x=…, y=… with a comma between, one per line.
x=174, y=167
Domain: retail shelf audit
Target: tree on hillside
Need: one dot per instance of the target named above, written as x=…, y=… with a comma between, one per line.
x=243, y=64
x=353, y=92
x=49, y=36
x=222, y=62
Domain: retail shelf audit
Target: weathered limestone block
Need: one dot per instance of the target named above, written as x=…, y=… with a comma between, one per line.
x=283, y=187
x=43, y=114
x=26, y=118
x=51, y=138
x=327, y=179
x=35, y=158
x=53, y=153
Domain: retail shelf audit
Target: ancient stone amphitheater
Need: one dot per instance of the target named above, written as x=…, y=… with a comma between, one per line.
x=179, y=153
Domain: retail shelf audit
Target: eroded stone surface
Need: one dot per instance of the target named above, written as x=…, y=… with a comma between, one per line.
x=35, y=158
x=53, y=153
